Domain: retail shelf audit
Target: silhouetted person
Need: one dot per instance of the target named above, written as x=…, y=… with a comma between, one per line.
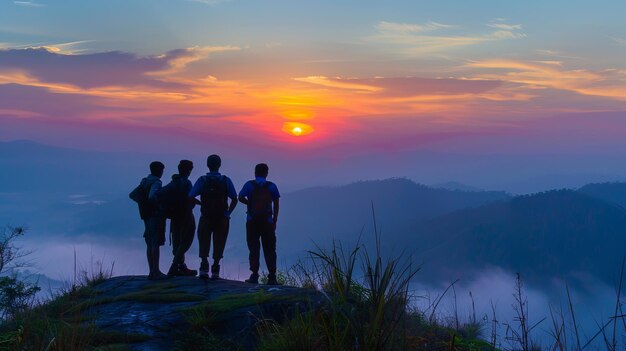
x=153, y=217
x=174, y=198
x=214, y=190
x=261, y=196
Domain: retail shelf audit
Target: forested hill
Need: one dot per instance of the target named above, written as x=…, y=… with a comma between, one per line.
x=613, y=192
x=554, y=234
x=324, y=212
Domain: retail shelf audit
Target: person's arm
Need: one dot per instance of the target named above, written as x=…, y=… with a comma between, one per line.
x=276, y=206
x=192, y=201
x=243, y=194
x=195, y=191
x=276, y=203
x=232, y=194
x=233, y=204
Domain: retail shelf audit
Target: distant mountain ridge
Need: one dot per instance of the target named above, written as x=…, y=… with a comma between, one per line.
x=614, y=192
x=320, y=213
x=552, y=234
x=455, y=186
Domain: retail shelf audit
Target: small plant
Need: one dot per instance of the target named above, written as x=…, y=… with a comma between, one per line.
x=519, y=335
x=16, y=295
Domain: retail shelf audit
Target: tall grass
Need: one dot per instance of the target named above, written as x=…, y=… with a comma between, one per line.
x=367, y=302
x=55, y=324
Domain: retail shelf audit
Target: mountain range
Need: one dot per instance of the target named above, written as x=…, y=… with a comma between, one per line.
x=560, y=234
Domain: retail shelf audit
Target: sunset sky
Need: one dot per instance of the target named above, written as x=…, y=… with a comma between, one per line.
x=348, y=78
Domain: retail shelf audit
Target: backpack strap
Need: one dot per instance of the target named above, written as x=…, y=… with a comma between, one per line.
x=206, y=177
x=258, y=185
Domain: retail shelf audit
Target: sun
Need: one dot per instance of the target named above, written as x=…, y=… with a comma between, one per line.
x=297, y=131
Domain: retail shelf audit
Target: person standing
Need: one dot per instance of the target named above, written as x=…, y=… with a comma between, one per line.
x=174, y=200
x=262, y=199
x=214, y=190
x=152, y=215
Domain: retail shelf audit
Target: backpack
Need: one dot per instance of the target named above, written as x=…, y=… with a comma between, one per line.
x=172, y=198
x=140, y=196
x=214, y=196
x=260, y=201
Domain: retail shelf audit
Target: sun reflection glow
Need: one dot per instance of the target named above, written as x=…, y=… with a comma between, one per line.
x=297, y=129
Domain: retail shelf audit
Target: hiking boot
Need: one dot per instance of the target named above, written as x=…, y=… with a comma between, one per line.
x=157, y=276
x=271, y=280
x=186, y=272
x=204, y=270
x=215, y=272
x=173, y=271
x=254, y=279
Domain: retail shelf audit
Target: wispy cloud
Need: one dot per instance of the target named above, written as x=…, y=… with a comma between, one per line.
x=338, y=83
x=608, y=83
x=66, y=48
x=619, y=41
x=507, y=34
x=557, y=54
x=28, y=4
x=406, y=86
x=69, y=48
x=179, y=59
x=53, y=64
x=385, y=26
x=504, y=26
x=506, y=30
x=413, y=37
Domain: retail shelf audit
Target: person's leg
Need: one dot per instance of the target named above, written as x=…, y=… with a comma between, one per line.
x=182, y=236
x=157, y=237
x=155, y=251
x=175, y=232
x=268, y=240
x=149, y=256
x=175, y=235
x=203, y=238
x=187, y=231
x=254, y=247
x=147, y=238
x=219, y=243
x=204, y=244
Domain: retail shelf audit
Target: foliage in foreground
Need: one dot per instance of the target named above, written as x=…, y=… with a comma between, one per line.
x=372, y=313
x=59, y=325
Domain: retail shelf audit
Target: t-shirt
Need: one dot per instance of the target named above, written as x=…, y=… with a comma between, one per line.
x=249, y=186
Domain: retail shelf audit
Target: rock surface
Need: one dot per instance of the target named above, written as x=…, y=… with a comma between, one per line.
x=158, y=311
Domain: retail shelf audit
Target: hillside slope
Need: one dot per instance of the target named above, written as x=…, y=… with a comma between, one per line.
x=543, y=236
x=319, y=214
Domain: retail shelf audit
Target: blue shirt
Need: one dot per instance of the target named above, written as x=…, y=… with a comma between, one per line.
x=249, y=186
x=197, y=187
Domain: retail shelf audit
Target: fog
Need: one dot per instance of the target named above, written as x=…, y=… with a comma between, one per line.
x=494, y=291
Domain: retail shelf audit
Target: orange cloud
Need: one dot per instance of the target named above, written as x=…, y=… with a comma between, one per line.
x=607, y=83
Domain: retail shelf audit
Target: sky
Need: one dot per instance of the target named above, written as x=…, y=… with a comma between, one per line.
x=308, y=80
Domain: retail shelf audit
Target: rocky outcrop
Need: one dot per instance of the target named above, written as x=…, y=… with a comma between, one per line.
x=158, y=315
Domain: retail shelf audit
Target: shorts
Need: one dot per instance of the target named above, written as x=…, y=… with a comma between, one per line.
x=155, y=231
